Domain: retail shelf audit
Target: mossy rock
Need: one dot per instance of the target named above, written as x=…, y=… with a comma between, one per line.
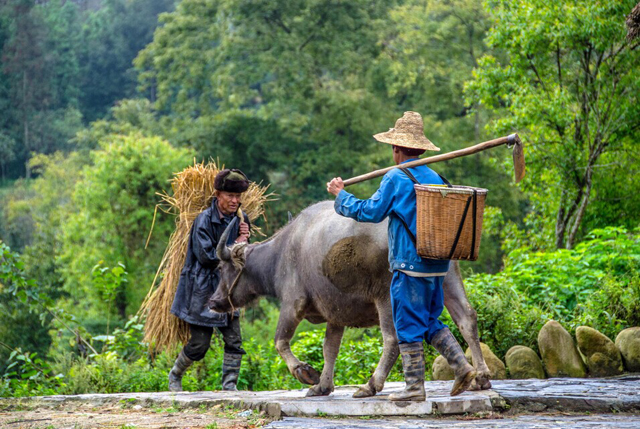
x=496, y=366
x=600, y=353
x=559, y=354
x=628, y=342
x=441, y=370
x=524, y=363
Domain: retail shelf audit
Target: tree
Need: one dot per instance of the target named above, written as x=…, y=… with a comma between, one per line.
x=294, y=73
x=570, y=87
x=7, y=153
x=113, y=35
x=293, y=91
x=40, y=76
x=24, y=63
x=114, y=200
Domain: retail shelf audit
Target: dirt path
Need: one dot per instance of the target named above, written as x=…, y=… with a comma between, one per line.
x=135, y=417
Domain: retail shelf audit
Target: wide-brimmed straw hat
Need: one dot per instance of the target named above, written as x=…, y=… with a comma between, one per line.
x=408, y=132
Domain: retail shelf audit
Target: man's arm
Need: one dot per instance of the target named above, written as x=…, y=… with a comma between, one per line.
x=375, y=209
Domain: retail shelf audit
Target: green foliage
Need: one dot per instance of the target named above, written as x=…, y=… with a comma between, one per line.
x=27, y=375
x=64, y=63
x=113, y=35
x=108, y=282
x=21, y=327
x=570, y=87
x=595, y=284
x=114, y=199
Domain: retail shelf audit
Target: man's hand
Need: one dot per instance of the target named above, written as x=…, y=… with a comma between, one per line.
x=335, y=186
x=243, y=233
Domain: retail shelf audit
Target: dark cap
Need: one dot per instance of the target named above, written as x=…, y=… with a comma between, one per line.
x=232, y=180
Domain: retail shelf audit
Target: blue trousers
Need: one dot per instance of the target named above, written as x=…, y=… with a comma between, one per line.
x=417, y=303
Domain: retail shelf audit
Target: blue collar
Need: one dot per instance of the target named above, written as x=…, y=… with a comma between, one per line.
x=409, y=160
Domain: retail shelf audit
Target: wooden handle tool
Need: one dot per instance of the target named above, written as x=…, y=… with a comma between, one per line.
x=510, y=140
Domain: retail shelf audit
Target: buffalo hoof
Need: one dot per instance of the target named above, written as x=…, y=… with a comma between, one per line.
x=365, y=391
x=318, y=390
x=481, y=382
x=306, y=374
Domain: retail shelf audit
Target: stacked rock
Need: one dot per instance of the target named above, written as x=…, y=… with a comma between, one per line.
x=559, y=353
x=599, y=353
x=594, y=354
x=523, y=363
x=628, y=342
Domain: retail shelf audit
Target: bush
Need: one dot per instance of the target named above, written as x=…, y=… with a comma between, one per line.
x=596, y=284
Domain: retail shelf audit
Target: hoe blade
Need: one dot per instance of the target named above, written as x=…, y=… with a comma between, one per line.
x=518, y=159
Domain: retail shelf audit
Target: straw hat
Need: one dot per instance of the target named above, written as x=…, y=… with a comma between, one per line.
x=408, y=132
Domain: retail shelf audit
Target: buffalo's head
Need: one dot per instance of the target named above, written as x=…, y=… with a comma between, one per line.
x=228, y=296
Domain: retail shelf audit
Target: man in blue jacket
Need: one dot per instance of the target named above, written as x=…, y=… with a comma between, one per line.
x=417, y=297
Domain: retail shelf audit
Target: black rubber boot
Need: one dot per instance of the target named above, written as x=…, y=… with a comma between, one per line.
x=448, y=346
x=230, y=371
x=413, y=368
x=179, y=367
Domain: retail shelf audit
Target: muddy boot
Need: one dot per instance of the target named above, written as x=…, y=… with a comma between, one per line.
x=445, y=343
x=230, y=371
x=179, y=367
x=413, y=368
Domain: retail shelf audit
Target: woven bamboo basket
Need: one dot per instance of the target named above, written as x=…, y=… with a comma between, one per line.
x=445, y=221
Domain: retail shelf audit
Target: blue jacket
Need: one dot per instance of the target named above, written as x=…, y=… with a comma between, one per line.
x=395, y=198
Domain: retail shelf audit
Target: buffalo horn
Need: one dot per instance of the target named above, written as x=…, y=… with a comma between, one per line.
x=223, y=252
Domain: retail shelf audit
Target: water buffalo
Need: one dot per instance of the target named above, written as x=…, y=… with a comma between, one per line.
x=327, y=268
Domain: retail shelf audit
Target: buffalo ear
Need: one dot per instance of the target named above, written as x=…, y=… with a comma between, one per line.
x=222, y=250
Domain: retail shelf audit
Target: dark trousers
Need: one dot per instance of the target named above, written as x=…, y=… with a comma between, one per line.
x=200, y=340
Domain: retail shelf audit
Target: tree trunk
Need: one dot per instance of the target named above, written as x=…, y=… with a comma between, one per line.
x=561, y=224
x=579, y=216
x=588, y=179
x=25, y=120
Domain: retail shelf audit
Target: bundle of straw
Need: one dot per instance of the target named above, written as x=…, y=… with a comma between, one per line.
x=633, y=23
x=192, y=193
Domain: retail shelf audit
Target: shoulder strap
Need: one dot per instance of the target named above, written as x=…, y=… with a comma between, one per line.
x=411, y=176
x=414, y=180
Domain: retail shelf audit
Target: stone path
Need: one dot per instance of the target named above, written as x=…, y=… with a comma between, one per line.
x=521, y=422
x=618, y=394
x=570, y=395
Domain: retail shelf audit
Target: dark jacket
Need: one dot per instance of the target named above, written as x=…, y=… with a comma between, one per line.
x=199, y=277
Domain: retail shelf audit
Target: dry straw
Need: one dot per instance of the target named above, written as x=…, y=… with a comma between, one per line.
x=633, y=24
x=192, y=193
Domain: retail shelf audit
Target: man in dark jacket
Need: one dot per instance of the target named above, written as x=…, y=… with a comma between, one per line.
x=199, y=279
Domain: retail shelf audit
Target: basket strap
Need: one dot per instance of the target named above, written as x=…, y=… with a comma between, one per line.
x=411, y=236
x=411, y=176
x=464, y=217
x=472, y=198
x=445, y=181
x=473, y=231
x=414, y=180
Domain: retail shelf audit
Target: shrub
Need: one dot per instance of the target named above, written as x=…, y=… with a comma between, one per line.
x=595, y=284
